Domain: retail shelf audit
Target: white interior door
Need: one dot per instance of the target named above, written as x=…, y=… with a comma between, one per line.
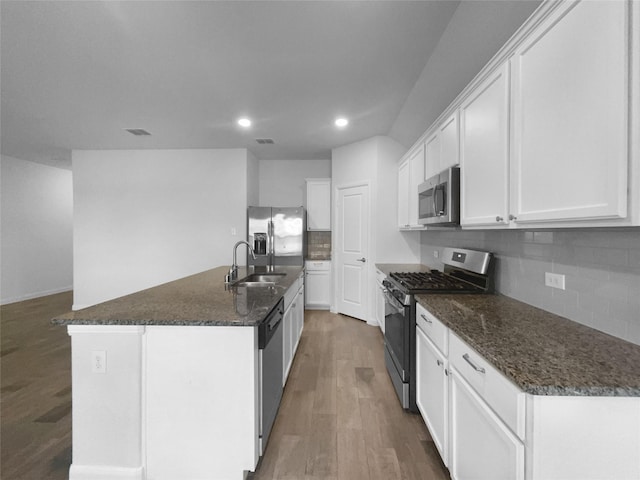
x=353, y=250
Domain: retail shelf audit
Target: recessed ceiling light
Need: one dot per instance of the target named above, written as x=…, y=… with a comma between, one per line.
x=341, y=122
x=244, y=122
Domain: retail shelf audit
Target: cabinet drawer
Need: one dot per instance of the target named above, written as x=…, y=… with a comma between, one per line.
x=433, y=328
x=317, y=265
x=505, y=398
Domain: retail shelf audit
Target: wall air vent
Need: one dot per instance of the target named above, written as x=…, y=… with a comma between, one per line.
x=265, y=141
x=137, y=131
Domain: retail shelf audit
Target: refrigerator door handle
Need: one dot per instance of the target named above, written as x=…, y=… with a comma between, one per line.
x=272, y=246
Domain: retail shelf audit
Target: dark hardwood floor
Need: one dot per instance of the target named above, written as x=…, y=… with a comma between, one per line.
x=36, y=390
x=339, y=417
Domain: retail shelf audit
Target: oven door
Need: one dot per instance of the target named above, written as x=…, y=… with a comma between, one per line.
x=397, y=324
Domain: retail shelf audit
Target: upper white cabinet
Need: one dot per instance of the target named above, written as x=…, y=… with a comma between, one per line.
x=484, y=152
x=548, y=130
x=318, y=203
x=570, y=115
x=442, y=146
x=410, y=175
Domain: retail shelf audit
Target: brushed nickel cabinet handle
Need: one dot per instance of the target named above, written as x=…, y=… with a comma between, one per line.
x=512, y=217
x=425, y=318
x=475, y=367
x=499, y=218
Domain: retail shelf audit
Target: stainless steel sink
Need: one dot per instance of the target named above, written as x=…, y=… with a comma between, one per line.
x=259, y=279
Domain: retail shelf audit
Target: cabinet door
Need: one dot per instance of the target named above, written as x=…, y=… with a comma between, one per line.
x=416, y=163
x=318, y=289
x=380, y=306
x=432, y=155
x=319, y=205
x=403, y=194
x=299, y=319
x=482, y=447
x=287, y=344
x=431, y=392
x=449, y=142
x=570, y=108
x=484, y=156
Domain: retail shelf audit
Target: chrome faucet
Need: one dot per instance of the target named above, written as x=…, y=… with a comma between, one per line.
x=233, y=271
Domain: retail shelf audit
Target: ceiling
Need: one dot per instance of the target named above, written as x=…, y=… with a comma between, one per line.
x=75, y=75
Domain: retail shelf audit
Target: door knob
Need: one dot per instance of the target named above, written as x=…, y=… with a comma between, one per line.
x=361, y=260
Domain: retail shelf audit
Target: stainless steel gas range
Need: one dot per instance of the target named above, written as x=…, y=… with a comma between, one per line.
x=465, y=271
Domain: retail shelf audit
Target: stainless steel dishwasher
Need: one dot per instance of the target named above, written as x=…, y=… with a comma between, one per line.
x=270, y=342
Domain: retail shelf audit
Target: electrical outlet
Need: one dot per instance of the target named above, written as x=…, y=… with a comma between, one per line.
x=436, y=253
x=99, y=361
x=233, y=231
x=554, y=280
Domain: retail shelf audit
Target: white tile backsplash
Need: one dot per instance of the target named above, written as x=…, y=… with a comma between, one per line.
x=601, y=266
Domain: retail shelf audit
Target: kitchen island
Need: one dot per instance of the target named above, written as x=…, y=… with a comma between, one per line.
x=160, y=394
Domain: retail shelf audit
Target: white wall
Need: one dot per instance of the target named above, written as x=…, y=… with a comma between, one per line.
x=375, y=161
x=282, y=181
x=146, y=217
x=36, y=232
x=477, y=30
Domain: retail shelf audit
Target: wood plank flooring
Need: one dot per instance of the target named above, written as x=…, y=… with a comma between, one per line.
x=339, y=417
x=35, y=390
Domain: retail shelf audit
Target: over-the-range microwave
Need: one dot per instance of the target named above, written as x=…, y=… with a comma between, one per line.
x=439, y=199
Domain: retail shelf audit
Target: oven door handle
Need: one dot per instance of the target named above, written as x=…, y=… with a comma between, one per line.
x=394, y=303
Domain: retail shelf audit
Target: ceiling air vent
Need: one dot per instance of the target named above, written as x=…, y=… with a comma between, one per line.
x=137, y=131
x=265, y=141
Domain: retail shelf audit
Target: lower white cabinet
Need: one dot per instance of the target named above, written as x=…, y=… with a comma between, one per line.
x=380, y=301
x=318, y=283
x=486, y=428
x=432, y=395
x=482, y=447
x=292, y=323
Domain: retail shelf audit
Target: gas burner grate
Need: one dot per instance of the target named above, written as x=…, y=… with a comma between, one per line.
x=434, y=280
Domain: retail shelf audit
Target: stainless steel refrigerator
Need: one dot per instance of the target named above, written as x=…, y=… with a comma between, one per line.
x=277, y=235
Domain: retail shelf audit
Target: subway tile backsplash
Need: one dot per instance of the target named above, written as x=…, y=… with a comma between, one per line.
x=319, y=245
x=601, y=268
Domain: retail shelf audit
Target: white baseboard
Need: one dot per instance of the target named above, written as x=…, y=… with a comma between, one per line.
x=105, y=472
x=30, y=296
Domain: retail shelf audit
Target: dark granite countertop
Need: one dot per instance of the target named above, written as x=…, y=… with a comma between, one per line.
x=197, y=300
x=542, y=353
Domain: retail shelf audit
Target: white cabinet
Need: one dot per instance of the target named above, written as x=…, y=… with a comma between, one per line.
x=410, y=175
x=292, y=324
x=486, y=428
x=318, y=283
x=432, y=391
x=482, y=447
x=380, y=300
x=570, y=115
x=442, y=147
x=484, y=153
x=318, y=204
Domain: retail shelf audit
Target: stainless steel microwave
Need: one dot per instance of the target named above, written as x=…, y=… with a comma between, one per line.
x=439, y=199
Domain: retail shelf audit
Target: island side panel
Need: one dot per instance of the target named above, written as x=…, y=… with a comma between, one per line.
x=202, y=418
x=107, y=405
x=583, y=438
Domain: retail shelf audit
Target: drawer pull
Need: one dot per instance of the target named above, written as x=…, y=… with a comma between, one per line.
x=475, y=367
x=425, y=318
x=439, y=362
